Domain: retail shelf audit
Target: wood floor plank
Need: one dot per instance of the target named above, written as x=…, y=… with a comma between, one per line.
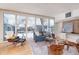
x=15, y=50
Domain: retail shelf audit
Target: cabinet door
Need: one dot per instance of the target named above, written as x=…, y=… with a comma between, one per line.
x=76, y=26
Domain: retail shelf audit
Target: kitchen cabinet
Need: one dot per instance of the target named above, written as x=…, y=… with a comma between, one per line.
x=71, y=26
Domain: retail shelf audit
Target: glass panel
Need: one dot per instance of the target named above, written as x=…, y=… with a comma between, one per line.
x=38, y=21
x=51, y=21
x=48, y=25
x=45, y=22
x=31, y=22
x=30, y=26
x=9, y=25
x=39, y=24
x=21, y=26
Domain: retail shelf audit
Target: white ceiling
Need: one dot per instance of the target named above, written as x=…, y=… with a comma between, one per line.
x=47, y=9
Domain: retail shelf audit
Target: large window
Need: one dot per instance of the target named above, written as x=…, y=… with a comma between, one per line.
x=21, y=26
x=16, y=24
x=38, y=24
x=9, y=25
x=30, y=23
x=48, y=25
x=30, y=26
x=51, y=27
x=38, y=21
x=45, y=24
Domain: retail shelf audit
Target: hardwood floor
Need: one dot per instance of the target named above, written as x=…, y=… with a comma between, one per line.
x=15, y=50
x=32, y=48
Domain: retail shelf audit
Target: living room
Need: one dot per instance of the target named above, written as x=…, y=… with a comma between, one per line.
x=39, y=29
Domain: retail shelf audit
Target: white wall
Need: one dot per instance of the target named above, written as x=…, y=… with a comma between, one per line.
x=58, y=27
x=1, y=25
x=61, y=17
x=58, y=30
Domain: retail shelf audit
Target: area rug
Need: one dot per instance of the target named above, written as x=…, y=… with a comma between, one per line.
x=39, y=48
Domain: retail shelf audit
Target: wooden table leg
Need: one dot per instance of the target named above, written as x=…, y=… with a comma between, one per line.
x=67, y=47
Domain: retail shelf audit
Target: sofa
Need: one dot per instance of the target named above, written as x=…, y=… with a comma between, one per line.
x=39, y=38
